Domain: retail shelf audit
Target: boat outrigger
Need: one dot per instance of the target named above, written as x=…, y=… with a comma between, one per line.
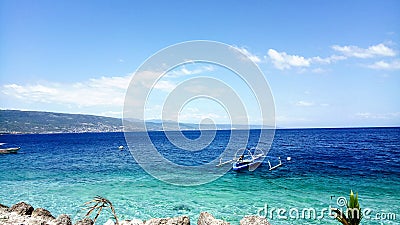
x=250, y=159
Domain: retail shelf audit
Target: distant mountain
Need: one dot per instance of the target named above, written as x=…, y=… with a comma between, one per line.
x=16, y=121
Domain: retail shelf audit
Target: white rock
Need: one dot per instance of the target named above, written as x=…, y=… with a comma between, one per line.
x=206, y=218
x=109, y=222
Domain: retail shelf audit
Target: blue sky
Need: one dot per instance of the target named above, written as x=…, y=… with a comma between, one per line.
x=328, y=63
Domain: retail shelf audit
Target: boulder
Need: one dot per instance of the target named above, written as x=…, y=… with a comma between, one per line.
x=63, y=219
x=21, y=208
x=206, y=218
x=43, y=213
x=181, y=220
x=3, y=206
x=86, y=221
x=254, y=220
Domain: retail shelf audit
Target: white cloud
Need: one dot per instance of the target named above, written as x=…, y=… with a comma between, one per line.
x=304, y=103
x=165, y=85
x=327, y=60
x=186, y=72
x=282, y=60
x=100, y=96
x=382, y=65
x=94, y=92
x=382, y=116
x=370, y=52
x=251, y=56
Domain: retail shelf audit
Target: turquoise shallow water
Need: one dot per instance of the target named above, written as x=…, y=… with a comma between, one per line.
x=60, y=172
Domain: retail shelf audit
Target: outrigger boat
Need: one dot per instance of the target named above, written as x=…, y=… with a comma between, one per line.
x=250, y=159
x=8, y=150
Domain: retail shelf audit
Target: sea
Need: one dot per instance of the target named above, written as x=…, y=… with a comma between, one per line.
x=60, y=172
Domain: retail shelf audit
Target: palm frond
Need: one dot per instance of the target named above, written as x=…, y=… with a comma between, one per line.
x=97, y=204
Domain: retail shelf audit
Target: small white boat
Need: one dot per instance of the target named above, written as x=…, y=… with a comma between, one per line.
x=249, y=159
x=9, y=150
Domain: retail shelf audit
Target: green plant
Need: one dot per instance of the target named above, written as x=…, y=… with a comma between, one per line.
x=97, y=204
x=353, y=213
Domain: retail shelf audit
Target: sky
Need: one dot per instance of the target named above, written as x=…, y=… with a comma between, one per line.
x=328, y=63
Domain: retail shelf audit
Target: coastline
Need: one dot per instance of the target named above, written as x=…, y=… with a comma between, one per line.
x=196, y=130
x=23, y=213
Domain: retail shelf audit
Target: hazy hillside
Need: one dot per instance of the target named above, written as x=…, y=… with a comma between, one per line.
x=15, y=121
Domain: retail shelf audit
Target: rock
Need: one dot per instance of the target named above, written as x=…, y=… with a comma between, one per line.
x=86, y=221
x=63, y=219
x=3, y=206
x=21, y=208
x=44, y=213
x=206, y=218
x=254, y=220
x=181, y=220
x=131, y=222
x=109, y=222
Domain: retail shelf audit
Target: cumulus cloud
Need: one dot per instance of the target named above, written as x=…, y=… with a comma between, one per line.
x=327, y=60
x=383, y=65
x=165, y=85
x=184, y=71
x=370, y=52
x=94, y=92
x=282, y=60
x=103, y=91
x=249, y=55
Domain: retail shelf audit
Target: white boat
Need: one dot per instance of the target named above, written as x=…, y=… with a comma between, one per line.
x=8, y=150
x=250, y=159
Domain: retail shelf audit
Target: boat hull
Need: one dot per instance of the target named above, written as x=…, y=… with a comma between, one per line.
x=238, y=166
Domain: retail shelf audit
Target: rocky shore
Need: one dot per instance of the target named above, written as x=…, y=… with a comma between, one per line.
x=23, y=213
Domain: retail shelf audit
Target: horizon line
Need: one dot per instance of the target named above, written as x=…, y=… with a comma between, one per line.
x=276, y=127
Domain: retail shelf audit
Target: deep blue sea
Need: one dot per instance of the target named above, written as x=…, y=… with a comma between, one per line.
x=60, y=172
